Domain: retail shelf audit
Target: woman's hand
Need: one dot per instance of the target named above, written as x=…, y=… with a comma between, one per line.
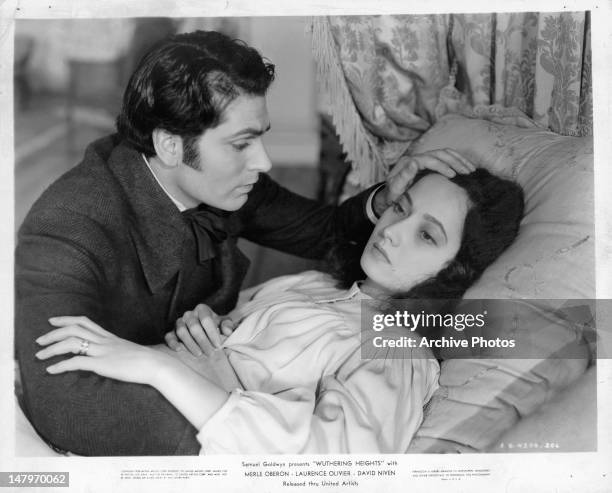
x=444, y=161
x=98, y=351
x=199, y=330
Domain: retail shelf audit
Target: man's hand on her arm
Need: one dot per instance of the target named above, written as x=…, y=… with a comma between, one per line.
x=444, y=161
x=200, y=331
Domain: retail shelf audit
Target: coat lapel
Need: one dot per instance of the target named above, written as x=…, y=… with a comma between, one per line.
x=157, y=229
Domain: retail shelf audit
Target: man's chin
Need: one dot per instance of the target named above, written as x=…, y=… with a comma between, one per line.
x=236, y=203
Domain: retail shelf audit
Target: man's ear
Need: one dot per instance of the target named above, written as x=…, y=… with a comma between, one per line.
x=168, y=147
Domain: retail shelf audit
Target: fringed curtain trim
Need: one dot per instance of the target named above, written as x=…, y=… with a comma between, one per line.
x=357, y=142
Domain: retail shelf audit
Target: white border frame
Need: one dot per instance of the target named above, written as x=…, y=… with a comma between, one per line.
x=562, y=472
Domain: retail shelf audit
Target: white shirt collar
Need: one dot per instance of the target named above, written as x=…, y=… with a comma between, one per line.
x=181, y=207
x=353, y=293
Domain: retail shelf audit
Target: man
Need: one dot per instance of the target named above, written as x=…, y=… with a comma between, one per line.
x=145, y=228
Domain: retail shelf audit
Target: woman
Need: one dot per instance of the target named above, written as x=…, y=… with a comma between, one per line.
x=297, y=382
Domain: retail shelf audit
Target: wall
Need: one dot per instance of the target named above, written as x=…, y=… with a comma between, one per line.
x=294, y=138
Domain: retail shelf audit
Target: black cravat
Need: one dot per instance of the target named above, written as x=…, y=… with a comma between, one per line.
x=209, y=228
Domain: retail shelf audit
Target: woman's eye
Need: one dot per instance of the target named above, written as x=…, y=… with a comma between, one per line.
x=398, y=208
x=427, y=237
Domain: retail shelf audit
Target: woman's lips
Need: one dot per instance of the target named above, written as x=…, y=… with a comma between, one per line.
x=378, y=247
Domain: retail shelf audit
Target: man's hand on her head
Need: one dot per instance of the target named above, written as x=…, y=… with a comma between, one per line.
x=444, y=161
x=199, y=331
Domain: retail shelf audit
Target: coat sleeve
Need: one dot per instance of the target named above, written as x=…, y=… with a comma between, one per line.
x=278, y=218
x=376, y=408
x=57, y=274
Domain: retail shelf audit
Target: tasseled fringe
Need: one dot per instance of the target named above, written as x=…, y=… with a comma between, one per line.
x=357, y=142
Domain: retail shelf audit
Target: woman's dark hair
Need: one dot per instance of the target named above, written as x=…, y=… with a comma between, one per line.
x=183, y=85
x=491, y=225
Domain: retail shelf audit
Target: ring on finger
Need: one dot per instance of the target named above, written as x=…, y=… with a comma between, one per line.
x=84, y=347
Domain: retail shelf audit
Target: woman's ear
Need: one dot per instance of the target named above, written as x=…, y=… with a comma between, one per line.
x=168, y=147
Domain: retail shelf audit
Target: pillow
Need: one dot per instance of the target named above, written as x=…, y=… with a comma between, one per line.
x=552, y=258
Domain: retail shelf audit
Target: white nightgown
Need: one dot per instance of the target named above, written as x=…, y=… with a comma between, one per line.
x=305, y=387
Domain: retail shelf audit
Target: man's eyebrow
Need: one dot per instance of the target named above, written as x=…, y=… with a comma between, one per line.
x=250, y=131
x=432, y=219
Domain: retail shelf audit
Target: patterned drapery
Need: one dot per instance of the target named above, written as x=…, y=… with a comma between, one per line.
x=389, y=78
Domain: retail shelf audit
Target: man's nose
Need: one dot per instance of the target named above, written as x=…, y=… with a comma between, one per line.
x=260, y=160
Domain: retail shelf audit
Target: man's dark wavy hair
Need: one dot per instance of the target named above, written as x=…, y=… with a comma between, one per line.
x=185, y=82
x=491, y=225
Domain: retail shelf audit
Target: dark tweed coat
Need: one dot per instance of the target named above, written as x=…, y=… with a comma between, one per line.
x=106, y=242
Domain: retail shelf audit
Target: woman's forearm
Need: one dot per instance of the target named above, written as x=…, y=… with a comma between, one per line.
x=196, y=397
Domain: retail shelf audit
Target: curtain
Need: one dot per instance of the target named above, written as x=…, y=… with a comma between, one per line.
x=389, y=78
